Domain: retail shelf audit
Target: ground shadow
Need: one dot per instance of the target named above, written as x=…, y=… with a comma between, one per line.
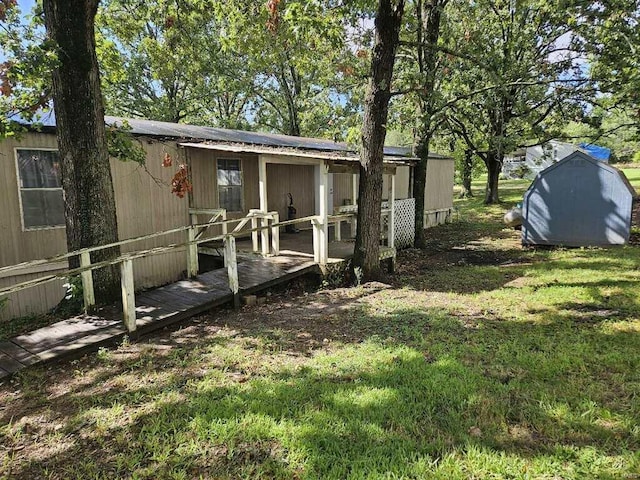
x=417, y=388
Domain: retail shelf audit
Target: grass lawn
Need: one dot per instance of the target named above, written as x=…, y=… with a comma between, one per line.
x=477, y=360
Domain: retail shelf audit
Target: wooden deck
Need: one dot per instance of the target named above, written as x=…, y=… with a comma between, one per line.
x=159, y=307
x=154, y=309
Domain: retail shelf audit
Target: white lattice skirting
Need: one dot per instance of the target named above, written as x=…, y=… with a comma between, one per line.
x=404, y=214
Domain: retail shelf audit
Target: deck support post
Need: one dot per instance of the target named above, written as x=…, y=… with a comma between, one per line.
x=264, y=234
x=275, y=234
x=254, y=232
x=224, y=219
x=192, y=253
x=232, y=268
x=88, y=294
x=128, y=295
x=391, y=240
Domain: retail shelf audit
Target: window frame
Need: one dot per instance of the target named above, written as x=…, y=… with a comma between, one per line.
x=240, y=169
x=20, y=189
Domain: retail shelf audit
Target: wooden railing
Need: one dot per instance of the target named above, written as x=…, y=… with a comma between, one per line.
x=263, y=226
x=269, y=221
x=350, y=213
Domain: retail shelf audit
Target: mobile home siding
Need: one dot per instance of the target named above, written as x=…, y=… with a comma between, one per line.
x=18, y=245
x=144, y=204
x=299, y=180
x=438, y=194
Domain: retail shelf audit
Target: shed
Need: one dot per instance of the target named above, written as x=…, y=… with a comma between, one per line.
x=578, y=201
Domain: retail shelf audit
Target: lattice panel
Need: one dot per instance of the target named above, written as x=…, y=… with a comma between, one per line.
x=404, y=213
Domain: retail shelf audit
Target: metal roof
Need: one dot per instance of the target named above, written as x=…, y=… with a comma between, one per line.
x=155, y=128
x=227, y=136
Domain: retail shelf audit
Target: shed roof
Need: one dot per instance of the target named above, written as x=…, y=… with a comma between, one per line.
x=585, y=156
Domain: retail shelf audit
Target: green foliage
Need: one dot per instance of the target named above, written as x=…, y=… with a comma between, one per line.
x=612, y=128
x=73, y=301
x=612, y=41
x=25, y=80
x=123, y=146
x=222, y=65
x=163, y=61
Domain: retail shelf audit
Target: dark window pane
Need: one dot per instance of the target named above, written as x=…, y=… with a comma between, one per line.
x=42, y=208
x=38, y=169
x=230, y=185
x=231, y=198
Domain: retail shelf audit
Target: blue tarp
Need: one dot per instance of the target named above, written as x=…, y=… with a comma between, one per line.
x=596, y=151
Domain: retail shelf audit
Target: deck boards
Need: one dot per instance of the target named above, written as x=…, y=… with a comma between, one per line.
x=162, y=306
x=155, y=309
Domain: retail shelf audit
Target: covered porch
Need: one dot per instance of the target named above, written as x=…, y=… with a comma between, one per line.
x=327, y=226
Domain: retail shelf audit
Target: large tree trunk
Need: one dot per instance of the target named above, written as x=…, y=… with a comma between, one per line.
x=419, y=184
x=466, y=174
x=493, y=161
x=367, y=247
x=429, y=13
x=90, y=210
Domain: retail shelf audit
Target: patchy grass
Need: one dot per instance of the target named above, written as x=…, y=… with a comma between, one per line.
x=481, y=360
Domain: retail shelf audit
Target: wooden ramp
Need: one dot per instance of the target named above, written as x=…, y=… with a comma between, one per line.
x=155, y=309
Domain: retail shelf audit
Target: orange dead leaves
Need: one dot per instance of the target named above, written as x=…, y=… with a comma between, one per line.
x=167, y=160
x=346, y=70
x=5, y=6
x=5, y=84
x=274, y=17
x=180, y=183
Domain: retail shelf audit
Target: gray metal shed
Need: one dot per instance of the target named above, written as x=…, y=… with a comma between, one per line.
x=578, y=201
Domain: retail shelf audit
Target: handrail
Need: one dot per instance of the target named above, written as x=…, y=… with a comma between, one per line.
x=75, y=253
x=141, y=254
x=270, y=221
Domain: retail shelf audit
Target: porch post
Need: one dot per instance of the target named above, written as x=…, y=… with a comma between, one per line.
x=192, y=253
x=262, y=191
x=128, y=295
x=232, y=268
x=275, y=234
x=262, y=186
x=392, y=216
x=87, y=282
x=323, y=214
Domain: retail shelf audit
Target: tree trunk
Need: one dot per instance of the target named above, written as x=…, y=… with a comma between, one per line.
x=367, y=247
x=467, y=170
x=419, y=184
x=429, y=13
x=493, y=162
x=90, y=210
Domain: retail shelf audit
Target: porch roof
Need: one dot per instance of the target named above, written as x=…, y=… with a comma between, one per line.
x=335, y=156
x=254, y=142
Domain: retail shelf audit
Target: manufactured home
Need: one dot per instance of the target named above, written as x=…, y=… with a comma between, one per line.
x=530, y=161
x=232, y=171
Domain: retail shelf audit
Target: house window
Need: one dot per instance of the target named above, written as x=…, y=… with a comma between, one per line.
x=230, y=185
x=40, y=189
